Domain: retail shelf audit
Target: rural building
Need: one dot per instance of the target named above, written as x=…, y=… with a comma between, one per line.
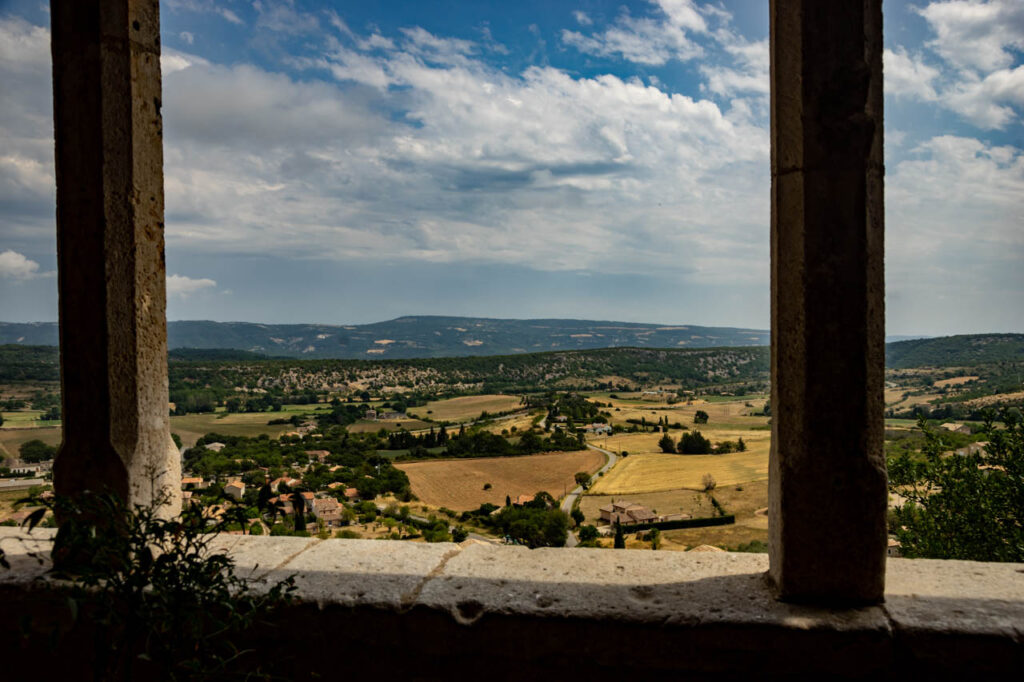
x=956, y=428
x=598, y=428
x=522, y=499
x=216, y=447
x=391, y=415
x=319, y=455
x=627, y=513
x=370, y=415
x=893, y=548
x=275, y=485
x=192, y=482
x=235, y=490
x=351, y=494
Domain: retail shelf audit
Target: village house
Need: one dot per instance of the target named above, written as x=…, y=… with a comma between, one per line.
x=351, y=494
x=216, y=447
x=627, y=513
x=275, y=485
x=319, y=455
x=598, y=428
x=235, y=490
x=192, y=482
x=522, y=499
x=370, y=415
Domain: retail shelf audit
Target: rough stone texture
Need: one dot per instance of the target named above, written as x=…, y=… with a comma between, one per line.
x=431, y=611
x=110, y=250
x=827, y=470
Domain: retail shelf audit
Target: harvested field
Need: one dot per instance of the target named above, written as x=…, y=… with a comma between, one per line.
x=659, y=472
x=997, y=399
x=955, y=381
x=458, y=483
x=466, y=407
x=681, y=501
x=11, y=440
x=191, y=427
x=388, y=425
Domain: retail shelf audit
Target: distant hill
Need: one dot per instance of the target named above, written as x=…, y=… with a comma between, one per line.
x=953, y=351
x=422, y=337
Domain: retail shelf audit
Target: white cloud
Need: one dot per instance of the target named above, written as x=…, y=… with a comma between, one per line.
x=751, y=59
x=908, y=76
x=976, y=34
x=189, y=38
x=182, y=286
x=14, y=265
x=204, y=7
x=582, y=18
x=647, y=40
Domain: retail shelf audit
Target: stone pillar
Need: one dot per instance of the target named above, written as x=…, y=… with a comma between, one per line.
x=110, y=250
x=827, y=491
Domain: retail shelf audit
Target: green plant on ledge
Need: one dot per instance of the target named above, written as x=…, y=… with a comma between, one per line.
x=161, y=602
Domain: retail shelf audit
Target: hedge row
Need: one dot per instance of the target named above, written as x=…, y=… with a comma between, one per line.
x=682, y=523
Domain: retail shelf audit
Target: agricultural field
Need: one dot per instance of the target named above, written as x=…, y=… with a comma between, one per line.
x=730, y=413
x=465, y=408
x=680, y=501
x=363, y=426
x=26, y=419
x=747, y=502
x=658, y=472
x=12, y=439
x=191, y=427
x=458, y=484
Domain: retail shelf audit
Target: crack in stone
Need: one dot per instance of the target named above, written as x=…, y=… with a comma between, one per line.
x=288, y=559
x=409, y=600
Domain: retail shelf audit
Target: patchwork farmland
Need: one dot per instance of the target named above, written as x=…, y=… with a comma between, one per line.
x=459, y=484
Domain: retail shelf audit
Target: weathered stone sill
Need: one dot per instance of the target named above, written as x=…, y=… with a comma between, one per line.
x=449, y=611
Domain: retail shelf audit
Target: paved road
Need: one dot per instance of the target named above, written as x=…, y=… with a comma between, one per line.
x=570, y=499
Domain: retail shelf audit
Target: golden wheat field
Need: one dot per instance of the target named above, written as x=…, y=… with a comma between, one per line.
x=465, y=407
x=458, y=483
x=654, y=472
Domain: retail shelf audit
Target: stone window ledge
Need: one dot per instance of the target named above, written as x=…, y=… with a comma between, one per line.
x=607, y=611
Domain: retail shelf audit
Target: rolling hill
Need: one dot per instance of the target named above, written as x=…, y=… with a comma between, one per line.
x=422, y=337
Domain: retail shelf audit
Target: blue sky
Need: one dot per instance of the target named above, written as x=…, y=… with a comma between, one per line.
x=352, y=162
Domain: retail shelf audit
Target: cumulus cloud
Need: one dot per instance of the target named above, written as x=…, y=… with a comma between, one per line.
x=908, y=76
x=976, y=34
x=977, y=41
x=183, y=287
x=16, y=266
x=646, y=40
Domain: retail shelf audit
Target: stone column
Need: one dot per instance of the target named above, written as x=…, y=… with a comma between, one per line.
x=827, y=491
x=110, y=250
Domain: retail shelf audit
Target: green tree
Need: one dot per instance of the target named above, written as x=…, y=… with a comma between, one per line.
x=694, y=443
x=577, y=516
x=655, y=537
x=965, y=505
x=620, y=538
x=459, y=534
x=666, y=444
x=700, y=417
x=588, y=534
x=36, y=451
x=741, y=446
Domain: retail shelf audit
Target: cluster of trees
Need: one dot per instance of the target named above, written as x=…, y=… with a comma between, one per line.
x=694, y=443
x=35, y=451
x=965, y=505
x=539, y=523
x=403, y=440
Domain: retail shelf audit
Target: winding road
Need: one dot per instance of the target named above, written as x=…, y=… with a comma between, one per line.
x=570, y=499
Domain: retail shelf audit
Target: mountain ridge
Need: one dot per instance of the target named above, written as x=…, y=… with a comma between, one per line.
x=422, y=336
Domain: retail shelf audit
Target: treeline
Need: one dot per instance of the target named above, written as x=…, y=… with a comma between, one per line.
x=955, y=351
x=29, y=363
x=694, y=443
x=480, y=443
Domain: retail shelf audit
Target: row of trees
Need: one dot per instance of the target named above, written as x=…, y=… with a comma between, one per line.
x=694, y=443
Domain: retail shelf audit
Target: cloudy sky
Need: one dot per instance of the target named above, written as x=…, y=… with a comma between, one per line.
x=351, y=162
